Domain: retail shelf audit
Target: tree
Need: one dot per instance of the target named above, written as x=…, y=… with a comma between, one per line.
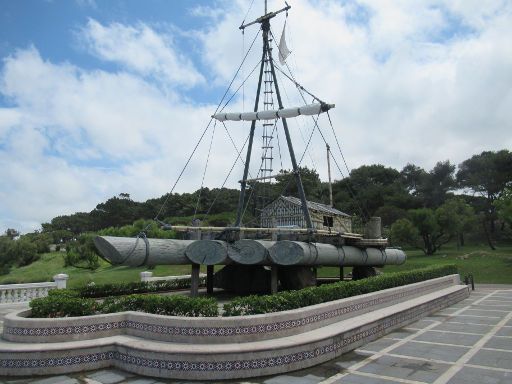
x=424, y=219
x=310, y=181
x=82, y=253
x=430, y=189
x=403, y=232
x=11, y=233
x=504, y=206
x=456, y=217
x=370, y=187
x=487, y=175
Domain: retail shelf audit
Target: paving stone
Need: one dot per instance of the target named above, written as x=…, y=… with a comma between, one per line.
x=403, y=368
x=485, y=312
x=495, y=359
x=141, y=381
x=378, y=345
x=499, y=343
x=448, y=338
x=469, y=375
x=420, y=324
x=481, y=329
x=357, y=379
x=473, y=320
x=349, y=359
x=401, y=333
x=286, y=379
x=56, y=380
x=505, y=331
x=431, y=351
x=109, y=376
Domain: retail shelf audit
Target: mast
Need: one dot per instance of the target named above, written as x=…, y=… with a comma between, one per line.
x=267, y=53
x=329, y=173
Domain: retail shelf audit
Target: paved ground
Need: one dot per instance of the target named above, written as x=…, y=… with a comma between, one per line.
x=470, y=342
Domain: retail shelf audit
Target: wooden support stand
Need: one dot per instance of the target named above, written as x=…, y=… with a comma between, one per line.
x=273, y=279
x=209, y=279
x=342, y=274
x=194, y=284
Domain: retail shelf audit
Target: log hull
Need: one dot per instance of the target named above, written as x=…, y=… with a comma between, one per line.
x=139, y=251
x=250, y=252
x=299, y=253
x=133, y=252
x=208, y=252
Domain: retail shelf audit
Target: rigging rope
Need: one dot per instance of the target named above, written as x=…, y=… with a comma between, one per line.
x=204, y=172
x=363, y=210
x=205, y=130
x=227, y=177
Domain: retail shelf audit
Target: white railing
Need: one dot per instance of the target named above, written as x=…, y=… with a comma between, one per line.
x=20, y=293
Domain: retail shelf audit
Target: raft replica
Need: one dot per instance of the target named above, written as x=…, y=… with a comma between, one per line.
x=263, y=258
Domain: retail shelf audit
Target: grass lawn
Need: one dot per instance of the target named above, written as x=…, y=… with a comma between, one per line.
x=486, y=265
x=52, y=263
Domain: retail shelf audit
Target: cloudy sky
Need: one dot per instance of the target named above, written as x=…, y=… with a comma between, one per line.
x=99, y=98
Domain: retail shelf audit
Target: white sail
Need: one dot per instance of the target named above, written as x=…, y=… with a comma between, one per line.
x=306, y=110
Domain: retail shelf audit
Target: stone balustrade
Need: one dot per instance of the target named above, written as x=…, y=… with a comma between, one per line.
x=20, y=293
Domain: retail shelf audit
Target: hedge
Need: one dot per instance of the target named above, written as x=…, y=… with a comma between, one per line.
x=66, y=303
x=252, y=305
x=117, y=289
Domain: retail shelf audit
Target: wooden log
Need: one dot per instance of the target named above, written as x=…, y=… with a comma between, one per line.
x=299, y=253
x=250, y=252
x=208, y=252
x=139, y=251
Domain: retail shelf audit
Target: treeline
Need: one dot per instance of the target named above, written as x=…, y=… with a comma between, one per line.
x=418, y=207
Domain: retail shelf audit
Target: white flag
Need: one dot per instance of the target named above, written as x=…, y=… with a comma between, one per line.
x=284, y=52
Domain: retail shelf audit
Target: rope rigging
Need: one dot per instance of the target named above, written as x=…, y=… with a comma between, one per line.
x=225, y=100
x=156, y=218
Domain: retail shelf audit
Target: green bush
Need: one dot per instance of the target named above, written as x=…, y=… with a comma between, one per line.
x=62, y=305
x=117, y=289
x=82, y=253
x=252, y=305
x=175, y=305
x=67, y=303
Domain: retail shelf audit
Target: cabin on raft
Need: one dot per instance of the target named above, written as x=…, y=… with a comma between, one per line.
x=286, y=211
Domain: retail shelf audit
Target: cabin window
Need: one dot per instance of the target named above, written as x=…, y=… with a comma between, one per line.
x=328, y=221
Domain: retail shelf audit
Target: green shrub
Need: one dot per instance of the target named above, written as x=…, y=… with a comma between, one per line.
x=61, y=305
x=82, y=253
x=116, y=289
x=252, y=305
x=66, y=303
x=175, y=305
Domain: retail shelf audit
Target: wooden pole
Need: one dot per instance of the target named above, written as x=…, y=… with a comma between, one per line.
x=194, y=284
x=209, y=279
x=329, y=174
x=273, y=279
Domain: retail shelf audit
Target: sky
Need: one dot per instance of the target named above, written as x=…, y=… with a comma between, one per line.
x=99, y=98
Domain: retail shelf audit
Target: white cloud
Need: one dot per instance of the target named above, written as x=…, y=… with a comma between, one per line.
x=413, y=81
x=143, y=50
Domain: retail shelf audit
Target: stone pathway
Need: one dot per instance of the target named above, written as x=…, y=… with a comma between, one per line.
x=469, y=342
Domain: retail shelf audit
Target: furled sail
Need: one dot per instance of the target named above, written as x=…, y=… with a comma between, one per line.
x=306, y=110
